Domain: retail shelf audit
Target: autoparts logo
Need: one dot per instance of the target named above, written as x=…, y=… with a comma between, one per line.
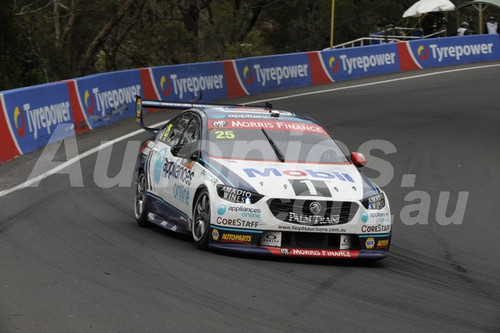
x=423, y=52
x=248, y=74
x=165, y=86
x=334, y=64
x=19, y=121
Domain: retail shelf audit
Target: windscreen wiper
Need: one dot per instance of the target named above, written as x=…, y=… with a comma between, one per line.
x=277, y=151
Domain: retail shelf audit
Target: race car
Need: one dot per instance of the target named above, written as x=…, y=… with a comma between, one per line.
x=258, y=180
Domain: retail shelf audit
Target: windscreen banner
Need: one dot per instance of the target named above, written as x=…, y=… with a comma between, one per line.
x=261, y=74
x=109, y=97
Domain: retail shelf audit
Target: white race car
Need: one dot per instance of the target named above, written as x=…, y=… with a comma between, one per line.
x=258, y=180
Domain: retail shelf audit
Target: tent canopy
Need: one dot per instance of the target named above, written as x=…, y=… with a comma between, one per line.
x=426, y=6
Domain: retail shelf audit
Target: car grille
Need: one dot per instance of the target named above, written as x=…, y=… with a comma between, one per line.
x=313, y=212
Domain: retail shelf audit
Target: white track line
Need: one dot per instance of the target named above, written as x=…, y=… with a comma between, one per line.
x=126, y=136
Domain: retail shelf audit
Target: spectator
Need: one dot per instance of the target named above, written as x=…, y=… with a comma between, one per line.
x=464, y=29
x=492, y=26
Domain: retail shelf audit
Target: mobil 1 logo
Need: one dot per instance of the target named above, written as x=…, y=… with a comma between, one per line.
x=308, y=187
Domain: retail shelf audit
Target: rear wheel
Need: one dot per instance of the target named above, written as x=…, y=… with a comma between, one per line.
x=140, y=207
x=201, y=220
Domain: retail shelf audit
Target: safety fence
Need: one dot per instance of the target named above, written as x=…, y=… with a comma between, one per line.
x=35, y=116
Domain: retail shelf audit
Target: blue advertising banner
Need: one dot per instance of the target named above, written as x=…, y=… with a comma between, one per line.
x=39, y=115
x=109, y=97
x=356, y=62
x=436, y=52
x=261, y=74
x=185, y=82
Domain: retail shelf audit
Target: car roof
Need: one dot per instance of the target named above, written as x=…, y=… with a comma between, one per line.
x=252, y=112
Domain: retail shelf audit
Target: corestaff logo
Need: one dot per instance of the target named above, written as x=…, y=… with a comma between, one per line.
x=89, y=102
x=248, y=74
x=165, y=86
x=334, y=64
x=423, y=52
x=19, y=121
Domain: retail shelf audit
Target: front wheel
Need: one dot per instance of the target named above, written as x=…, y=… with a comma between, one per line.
x=201, y=220
x=140, y=207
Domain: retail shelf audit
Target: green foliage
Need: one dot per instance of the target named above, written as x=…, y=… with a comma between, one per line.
x=44, y=41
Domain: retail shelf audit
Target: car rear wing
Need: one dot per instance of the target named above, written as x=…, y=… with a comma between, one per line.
x=140, y=104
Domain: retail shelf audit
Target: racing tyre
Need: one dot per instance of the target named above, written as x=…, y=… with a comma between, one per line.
x=201, y=220
x=140, y=206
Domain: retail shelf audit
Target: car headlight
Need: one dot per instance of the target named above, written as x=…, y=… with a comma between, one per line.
x=374, y=202
x=237, y=195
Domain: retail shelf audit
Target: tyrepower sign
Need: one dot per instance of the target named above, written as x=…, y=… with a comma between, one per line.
x=39, y=115
x=106, y=98
x=187, y=82
x=273, y=72
x=343, y=64
x=453, y=51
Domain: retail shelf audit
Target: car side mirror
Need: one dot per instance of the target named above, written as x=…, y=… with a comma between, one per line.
x=358, y=159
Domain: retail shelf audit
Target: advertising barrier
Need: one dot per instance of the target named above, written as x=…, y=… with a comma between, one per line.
x=33, y=117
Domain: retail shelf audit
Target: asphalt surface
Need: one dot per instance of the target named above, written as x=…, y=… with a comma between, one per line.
x=72, y=259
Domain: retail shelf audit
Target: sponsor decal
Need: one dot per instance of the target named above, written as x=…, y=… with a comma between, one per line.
x=248, y=74
x=221, y=210
x=319, y=253
x=456, y=52
x=277, y=74
x=271, y=238
x=158, y=165
x=237, y=195
x=89, y=102
x=334, y=64
x=350, y=64
x=165, y=86
x=41, y=118
x=376, y=228
x=382, y=244
x=313, y=219
x=238, y=222
x=215, y=234
x=370, y=243
x=19, y=121
x=114, y=99
x=364, y=217
x=181, y=193
x=267, y=172
x=177, y=171
x=423, y=52
x=190, y=84
x=247, y=212
x=290, y=126
x=236, y=238
x=345, y=242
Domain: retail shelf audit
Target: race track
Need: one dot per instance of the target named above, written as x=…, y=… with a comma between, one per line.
x=72, y=259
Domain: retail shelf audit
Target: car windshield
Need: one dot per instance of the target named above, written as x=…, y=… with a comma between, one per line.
x=272, y=140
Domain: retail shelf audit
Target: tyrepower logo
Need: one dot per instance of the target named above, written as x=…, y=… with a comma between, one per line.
x=191, y=84
x=334, y=64
x=43, y=117
x=89, y=102
x=456, y=52
x=19, y=121
x=165, y=86
x=423, y=52
x=274, y=74
x=114, y=98
x=350, y=64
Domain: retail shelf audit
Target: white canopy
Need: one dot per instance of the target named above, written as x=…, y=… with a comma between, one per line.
x=427, y=6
